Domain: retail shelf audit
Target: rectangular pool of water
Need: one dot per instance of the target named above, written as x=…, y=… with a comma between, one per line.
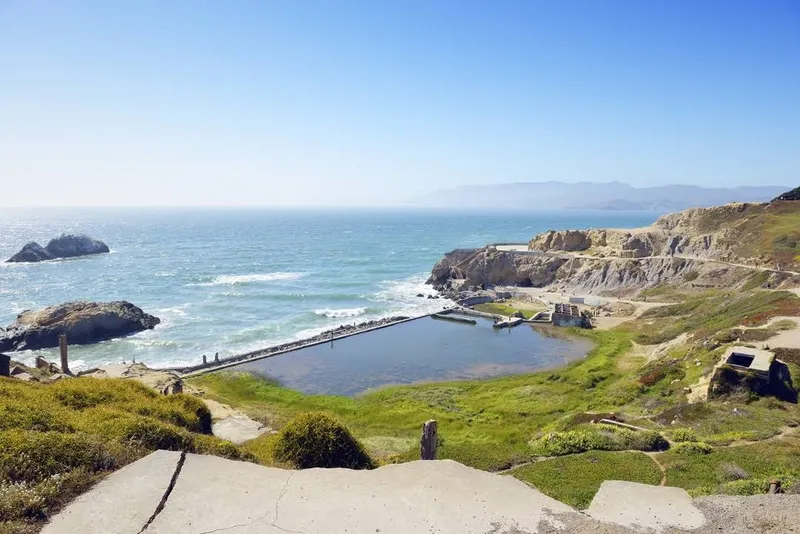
x=421, y=350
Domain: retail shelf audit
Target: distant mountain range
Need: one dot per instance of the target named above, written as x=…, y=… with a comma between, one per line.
x=589, y=195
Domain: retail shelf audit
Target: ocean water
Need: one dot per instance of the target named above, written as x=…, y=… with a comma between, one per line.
x=231, y=281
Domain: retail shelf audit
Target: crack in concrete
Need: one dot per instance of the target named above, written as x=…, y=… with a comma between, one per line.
x=278, y=501
x=167, y=492
x=263, y=518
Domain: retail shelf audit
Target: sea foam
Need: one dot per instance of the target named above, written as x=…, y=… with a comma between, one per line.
x=338, y=314
x=235, y=279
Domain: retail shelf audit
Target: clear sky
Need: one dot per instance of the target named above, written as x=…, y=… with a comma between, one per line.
x=323, y=102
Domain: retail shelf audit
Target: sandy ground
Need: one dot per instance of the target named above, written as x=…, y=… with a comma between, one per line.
x=603, y=322
x=787, y=338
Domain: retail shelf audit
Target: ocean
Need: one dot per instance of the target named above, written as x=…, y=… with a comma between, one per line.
x=232, y=281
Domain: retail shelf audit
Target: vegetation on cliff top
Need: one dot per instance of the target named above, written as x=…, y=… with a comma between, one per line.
x=57, y=439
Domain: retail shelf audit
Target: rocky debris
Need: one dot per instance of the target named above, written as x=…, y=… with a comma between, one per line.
x=64, y=246
x=82, y=322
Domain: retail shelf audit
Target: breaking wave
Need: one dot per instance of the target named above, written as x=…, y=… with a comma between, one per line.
x=338, y=314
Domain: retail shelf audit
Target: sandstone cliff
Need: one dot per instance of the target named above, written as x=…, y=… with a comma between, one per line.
x=697, y=248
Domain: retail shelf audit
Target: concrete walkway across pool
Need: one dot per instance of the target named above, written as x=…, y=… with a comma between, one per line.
x=171, y=492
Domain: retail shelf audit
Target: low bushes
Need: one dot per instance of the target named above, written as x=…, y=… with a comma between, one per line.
x=692, y=447
x=600, y=438
x=315, y=439
x=682, y=435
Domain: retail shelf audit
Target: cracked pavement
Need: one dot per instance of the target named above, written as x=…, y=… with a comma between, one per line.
x=171, y=492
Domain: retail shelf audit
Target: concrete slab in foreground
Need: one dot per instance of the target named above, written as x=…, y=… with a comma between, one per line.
x=213, y=494
x=161, y=494
x=640, y=506
x=122, y=502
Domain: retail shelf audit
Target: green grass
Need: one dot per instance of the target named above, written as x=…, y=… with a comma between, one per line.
x=57, y=439
x=703, y=474
x=500, y=308
x=575, y=479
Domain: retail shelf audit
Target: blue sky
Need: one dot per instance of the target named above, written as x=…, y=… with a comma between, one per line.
x=359, y=102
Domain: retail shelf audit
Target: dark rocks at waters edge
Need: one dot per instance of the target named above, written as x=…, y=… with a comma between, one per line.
x=65, y=246
x=82, y=322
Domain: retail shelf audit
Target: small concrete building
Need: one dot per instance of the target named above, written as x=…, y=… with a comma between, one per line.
x=756, y=361
x=756, y=370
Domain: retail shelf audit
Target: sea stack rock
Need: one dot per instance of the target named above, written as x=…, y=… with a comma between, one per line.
x=82, y=322
x=65, y=246
x=32, y=252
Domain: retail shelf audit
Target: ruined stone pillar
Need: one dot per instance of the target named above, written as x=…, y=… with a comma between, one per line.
x=427, y=443
x=62, y=345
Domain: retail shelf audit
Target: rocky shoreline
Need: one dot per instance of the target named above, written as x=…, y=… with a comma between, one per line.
x=328, y=335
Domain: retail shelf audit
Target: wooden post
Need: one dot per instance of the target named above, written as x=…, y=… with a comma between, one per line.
x=775, y=486
x=427, y=443
x=62, y=345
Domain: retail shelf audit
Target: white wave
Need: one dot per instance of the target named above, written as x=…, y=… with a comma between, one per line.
x=230, y=280
x=177, y=310
x=344, y=312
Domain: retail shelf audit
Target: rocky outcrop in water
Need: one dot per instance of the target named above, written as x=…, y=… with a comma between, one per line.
x=64, y=246
x=82, y=322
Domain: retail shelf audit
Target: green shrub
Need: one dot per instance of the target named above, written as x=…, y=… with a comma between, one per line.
x=684, y=435
x=314, y=439
x=600, y=438
x=692, y=447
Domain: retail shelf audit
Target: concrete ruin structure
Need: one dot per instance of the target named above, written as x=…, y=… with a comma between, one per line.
x=756, y=361
x=754, y=370
x=568, y=315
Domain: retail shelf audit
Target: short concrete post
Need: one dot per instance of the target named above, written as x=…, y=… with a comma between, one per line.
x=62, y=345
x=427, y=443
x=5, y=365
x=775, y=487
x=41, y=363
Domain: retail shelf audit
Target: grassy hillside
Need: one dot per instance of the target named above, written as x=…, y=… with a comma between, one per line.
x=57, y=439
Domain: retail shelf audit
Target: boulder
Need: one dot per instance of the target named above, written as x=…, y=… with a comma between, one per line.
x=82, y=322
x=70, y=246
x=32, y=252
x=65, y=246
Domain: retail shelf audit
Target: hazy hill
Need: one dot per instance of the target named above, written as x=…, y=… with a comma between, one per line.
x=588, y=195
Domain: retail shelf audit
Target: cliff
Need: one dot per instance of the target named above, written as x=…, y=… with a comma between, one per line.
x=724, y=246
